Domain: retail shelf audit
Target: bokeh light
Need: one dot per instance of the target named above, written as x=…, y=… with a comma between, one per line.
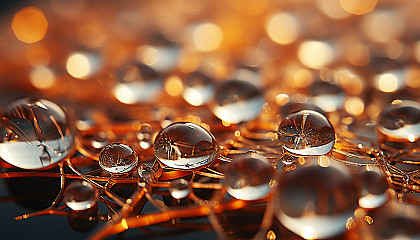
x=358, y=7
x=30, y=25
x=283, y=28
x=316, y=54
x=207, y=37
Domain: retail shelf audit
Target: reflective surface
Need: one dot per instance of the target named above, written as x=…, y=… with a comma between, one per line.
x=118, y=158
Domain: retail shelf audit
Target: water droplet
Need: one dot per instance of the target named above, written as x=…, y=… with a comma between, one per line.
x=118, y=158
x=328, y=96
x=179, y=188
x=80, y=195
x=146, y=175
x=184, y=145
x=373, y=186
x=138, y=83
x=316, y=201
x=306, y=133
x=34, y=133
x=237, y=101
x=199, y=89
x=249, y=177
x=162, y=55
x=399, y=126
x=293, y=107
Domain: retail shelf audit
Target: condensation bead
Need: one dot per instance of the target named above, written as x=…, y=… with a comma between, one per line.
x=138, y=83
x=373, y=186
x=80, y=195
x=306, y=133
x=328, y=96
x=179, y=188
x=398, y=126
x=237, y=101
x=118, y=158
x=249, y=177
x=316, y=199
x=185, y=145
x=34, y=133
x=146, y=175
x=198, y=89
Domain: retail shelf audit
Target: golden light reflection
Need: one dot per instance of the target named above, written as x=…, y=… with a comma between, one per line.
x=308, y=233
x=30, y=25
x=389, y=82
x=383, y=25
x=358, y=7
x=42, y=78
x=147, y=54
x=369, y=219
x=357, y=53
x=315, y=54
x=323, y=161
x=354, y=106
x=271, y=235
x=92, y=36
x=283, y=28
x=207, y=37
x=282, y=99
x=81, y=66
x=174, y=86
x=351, y=82
x=413, y=76
x=332, y=8
x=38, y=56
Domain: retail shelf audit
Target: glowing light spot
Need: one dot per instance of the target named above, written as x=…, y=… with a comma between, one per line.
x=302, y=78
x=42, y=78
x=92, y=36
x=82, y=66
x=308, y=233
x=124, y=94
x=369, y=219
x=387, y=82
x=29, y=25
x=207, y=37
x=271, y=235
x=315, y=54
x=396, y=101
x=282, y=99
x=323, y=161
x=358, y=7
x=174, y=86
x=383, y=25
x=38, y=56
x=301, y=160
x=411, y=137
x=332, y=8
x=124, y=224
x=354, y=106
x=147, y=54
x=283, y=28
x=193, y=97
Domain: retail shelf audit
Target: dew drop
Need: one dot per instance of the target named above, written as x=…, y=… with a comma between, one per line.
x=179, y=188
x=118, y=158
x=80, y=195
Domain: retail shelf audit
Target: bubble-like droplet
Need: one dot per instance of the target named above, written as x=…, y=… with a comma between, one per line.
x=315, y=200
x=146, y=175
x=306, y=133
x=179, y=188
x=138, y=83
x=328, y=96
x=249, y=177
x=373, y=186
x=118, y=158
x=293, y=107
x=399, y=126
x=185, y=145
x=34, y=133
x=80, y=195
x=199, y=89
x=237, y=101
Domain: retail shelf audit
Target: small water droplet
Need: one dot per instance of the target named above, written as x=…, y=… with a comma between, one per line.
x=80, y=195
x=118, y=158
x=179, y=188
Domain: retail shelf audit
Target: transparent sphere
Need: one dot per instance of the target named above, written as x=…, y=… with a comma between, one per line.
x=237, y=101
x=328, y=96
x=185, y=145
x=306, y=133
x=373, y=186
x=118, y=158
x=399, y=125
x=198, y=89
x=80, y=195
x=138, y=83
x=249, y=177
x=293, y=107
x=161, y=54
x=146, y=175
x=34, y=133
x=316, y=199
x=179, y=188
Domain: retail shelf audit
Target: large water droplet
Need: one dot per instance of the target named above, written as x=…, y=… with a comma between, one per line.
x=34, y=133
x=316, y=199
x=80, y=195
x=399, y=126
x=249, y=177
x=184, y=145
x=306, y=133
x=138, y=83
x=118, y=158
x=237, y=101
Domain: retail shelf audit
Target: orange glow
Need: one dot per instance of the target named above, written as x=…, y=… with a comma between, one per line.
x=383, y=25
x=174, y=86
x=332, y=8
x=42, y=78
x=29, y=25
x=323, y=161
x=315, y=54
x=38, y=56
x=207, y=37
x=271, y=235
x=358, y=7
x=354, y=106
x=283, y=28
x=92, y=36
